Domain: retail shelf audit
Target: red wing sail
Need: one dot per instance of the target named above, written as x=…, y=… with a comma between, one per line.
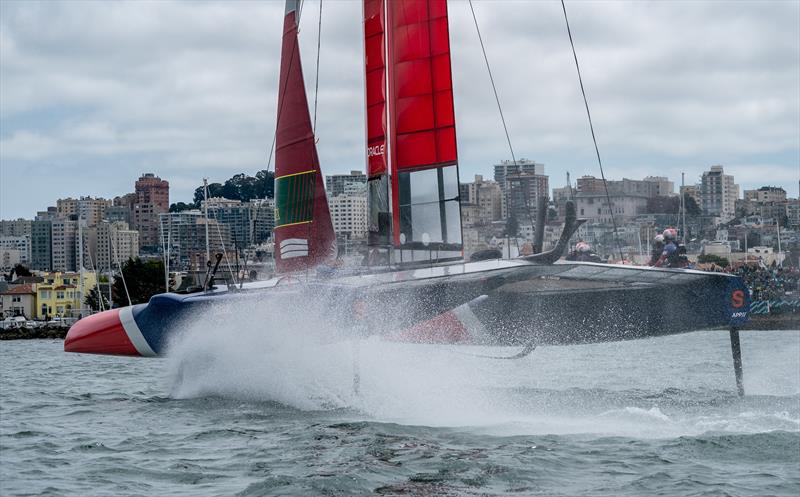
x=304, y=234
x=423, y=118
x=409, y=98
x=375, y=82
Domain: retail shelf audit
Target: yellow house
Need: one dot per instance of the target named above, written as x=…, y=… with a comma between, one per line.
x=58, y=295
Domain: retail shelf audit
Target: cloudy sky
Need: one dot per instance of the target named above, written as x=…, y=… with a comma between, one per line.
x=94, y=93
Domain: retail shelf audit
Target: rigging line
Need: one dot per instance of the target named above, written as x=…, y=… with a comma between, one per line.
x=491, y=78
x=591, y=127
x=316, y=77
x=500, y=108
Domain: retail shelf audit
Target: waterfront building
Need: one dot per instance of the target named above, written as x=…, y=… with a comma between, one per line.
x=336, y=184
x=59, y=295
x=718, y=194
x=18, y=300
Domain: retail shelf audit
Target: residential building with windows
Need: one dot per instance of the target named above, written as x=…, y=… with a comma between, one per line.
x=349, y=215
x=18, y=300
x=487, y=199
x=15, y=227
x=336, y=184
x=42, y=245
x=116, y=243
x=64, y=244
x=718, y=194
x=152, y=199
x=59, y=294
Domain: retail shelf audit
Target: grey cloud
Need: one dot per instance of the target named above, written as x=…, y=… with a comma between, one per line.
x=189, y=89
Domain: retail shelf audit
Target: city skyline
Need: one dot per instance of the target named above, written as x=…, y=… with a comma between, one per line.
x=188, y=91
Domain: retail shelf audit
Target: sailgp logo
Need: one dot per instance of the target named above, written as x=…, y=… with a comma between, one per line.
x=376, y=150
x=737, y=299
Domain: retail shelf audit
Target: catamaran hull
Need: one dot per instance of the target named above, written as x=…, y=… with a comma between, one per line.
x=507, y=304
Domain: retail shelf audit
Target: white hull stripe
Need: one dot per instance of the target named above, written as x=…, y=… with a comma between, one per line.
x=471, y=323
x=134, y=333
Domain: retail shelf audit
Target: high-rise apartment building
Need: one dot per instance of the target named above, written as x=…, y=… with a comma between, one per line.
x=42, y=245
x=718, y=194
x=522, y=194
x=116, y=243
x=336, y=184
x=486, y=196
x=152, y=199
x=15, y=227
x=64, y=244
x=186, y=236
x=349, y=215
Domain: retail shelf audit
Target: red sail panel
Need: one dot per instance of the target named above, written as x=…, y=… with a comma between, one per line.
x=375, y=78
x=423, y=118
x=304, y=234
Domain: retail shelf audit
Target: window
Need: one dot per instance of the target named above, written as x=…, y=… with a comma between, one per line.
x=59, y=295
x=16, y=298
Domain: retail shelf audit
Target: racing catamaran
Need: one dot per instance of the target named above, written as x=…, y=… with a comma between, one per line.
x=416, y=272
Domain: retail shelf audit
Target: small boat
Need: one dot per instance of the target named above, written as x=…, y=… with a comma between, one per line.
x=416, y=272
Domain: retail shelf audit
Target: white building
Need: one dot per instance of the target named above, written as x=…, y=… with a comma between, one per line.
x=718, y=194
x=349, y=215
x=20, y=245
x=64, y=245
x=116, y=243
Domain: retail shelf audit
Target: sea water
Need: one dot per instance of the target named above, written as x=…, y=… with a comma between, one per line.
x=239, y=411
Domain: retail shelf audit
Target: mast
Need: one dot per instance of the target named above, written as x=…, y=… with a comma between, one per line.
x=80, y=259
x=205, y=213
x=683, y=207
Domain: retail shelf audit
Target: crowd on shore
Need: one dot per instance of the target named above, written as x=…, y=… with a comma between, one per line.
x=770, y=282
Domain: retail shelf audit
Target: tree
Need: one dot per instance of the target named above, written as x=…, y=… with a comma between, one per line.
x=182, y=206
x=143, y=279
x=265, y=184
x=692, y=209
x=753, y=239
x=93, y=300
x=214, y=190
x=512, y=226
x=663, y=205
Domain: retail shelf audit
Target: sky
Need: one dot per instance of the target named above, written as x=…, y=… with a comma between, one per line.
x=92, y=94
